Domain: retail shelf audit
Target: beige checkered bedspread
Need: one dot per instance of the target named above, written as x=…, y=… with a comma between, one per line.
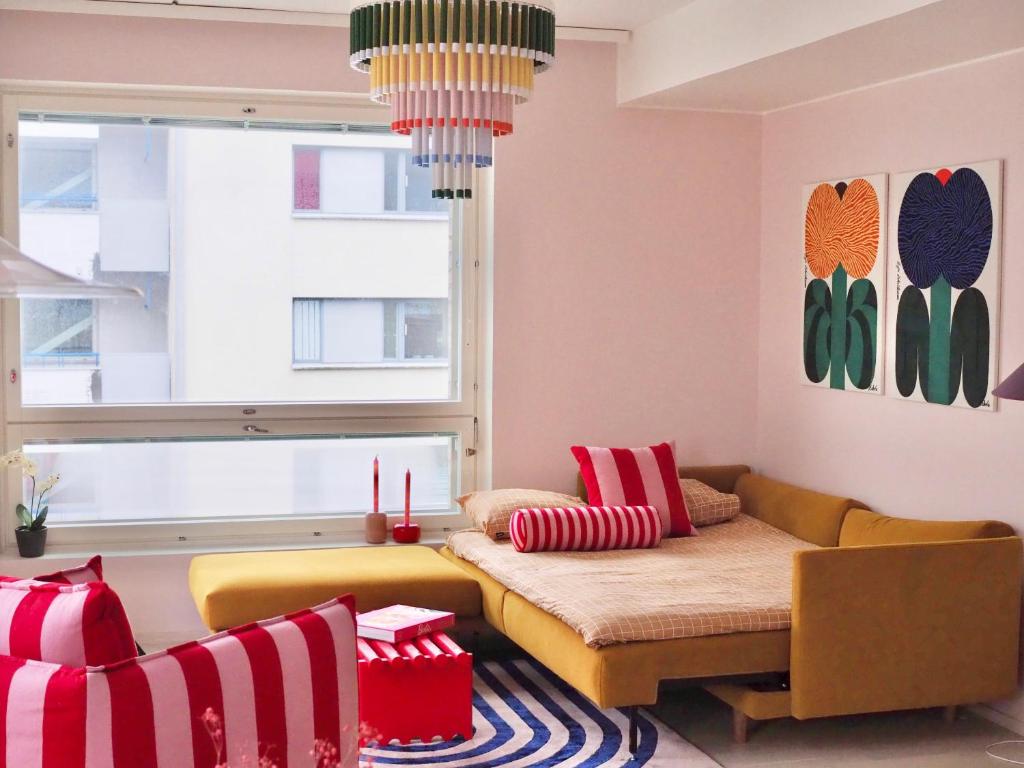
x=733, y=577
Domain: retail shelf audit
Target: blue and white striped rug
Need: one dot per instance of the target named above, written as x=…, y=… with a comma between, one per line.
x=525, y=717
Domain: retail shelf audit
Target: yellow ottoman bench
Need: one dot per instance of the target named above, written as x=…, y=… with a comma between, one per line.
x=235, y=589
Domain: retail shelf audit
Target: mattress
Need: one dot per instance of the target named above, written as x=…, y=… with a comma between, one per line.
x=732, y=577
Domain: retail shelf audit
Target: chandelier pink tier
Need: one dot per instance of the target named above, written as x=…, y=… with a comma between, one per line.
x=452, y=72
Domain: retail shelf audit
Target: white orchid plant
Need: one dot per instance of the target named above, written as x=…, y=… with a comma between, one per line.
x=33, y=516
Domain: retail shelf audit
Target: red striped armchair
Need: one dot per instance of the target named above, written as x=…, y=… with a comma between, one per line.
x=283, y=689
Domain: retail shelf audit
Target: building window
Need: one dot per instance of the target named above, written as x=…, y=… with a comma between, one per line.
x=368, y=331
x=189, y=413
x=59, y=174
x=362, y=181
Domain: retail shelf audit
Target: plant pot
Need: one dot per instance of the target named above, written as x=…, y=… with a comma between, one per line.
x=31, y=543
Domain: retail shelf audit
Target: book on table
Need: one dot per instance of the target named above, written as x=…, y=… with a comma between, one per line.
x=401, y=622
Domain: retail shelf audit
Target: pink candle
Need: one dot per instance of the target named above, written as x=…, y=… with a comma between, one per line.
x=408, y=489
x=376, y=484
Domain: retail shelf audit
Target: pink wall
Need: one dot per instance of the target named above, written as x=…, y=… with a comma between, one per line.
x=626, y=241
x=902, y=458
x=112, y=49
x=625, y=277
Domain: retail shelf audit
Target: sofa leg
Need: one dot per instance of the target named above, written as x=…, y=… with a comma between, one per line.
x=949, y=715
x=740, y=727
x=634, y=727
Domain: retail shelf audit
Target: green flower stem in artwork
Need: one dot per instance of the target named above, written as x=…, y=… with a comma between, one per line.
x=938, y=346
x=838, y=357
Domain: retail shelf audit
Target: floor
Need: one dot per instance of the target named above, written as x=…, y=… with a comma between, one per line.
x=904, y=739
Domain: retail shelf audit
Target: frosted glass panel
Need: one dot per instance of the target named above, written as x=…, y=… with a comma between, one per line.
x=265, y=477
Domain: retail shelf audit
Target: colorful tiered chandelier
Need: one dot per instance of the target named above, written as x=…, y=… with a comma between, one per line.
x=452, y=72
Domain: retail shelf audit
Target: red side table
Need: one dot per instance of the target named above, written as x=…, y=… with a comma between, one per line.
x=416, y=690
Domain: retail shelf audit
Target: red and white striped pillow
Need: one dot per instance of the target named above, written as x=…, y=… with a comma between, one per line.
x=76, y=625
x=636, y=477
x=83, y=574
x=277, y=688
x=585, y=529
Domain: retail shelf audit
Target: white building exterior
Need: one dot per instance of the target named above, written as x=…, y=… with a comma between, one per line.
x=204, y=221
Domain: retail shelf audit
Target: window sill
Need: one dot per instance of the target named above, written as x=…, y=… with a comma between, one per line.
x=313, y=215
x=366, y=366
x=433, y=539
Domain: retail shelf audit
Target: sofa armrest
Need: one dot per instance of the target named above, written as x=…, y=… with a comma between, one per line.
x=905, y=626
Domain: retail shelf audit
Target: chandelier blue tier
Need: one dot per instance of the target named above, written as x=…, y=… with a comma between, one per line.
x=452, y=72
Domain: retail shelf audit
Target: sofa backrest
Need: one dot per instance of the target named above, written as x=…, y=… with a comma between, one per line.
x=720, y=477
x=861, y=527
x=272, y=689
x=808, y=515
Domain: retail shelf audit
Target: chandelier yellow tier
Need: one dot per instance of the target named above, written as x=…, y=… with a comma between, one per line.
x=452, y=72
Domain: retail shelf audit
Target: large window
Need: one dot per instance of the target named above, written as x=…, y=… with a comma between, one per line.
x=304, y=308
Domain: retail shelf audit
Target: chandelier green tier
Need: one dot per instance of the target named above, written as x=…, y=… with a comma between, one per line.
x=452, y=72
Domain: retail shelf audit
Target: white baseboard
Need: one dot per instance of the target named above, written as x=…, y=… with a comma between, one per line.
x=999, y=718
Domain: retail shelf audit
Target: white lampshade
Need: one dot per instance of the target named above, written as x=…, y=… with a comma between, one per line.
x=22, y=276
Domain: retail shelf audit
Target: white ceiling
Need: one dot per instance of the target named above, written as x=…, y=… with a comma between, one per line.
x=598, y=14
x=614, y=14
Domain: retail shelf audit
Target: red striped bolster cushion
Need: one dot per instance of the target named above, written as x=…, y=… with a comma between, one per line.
x=638, y=476
x=277, y=686
x=79, y=625
x=585, y=529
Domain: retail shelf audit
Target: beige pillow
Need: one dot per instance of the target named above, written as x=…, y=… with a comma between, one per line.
x=491, y=511
x=707, y=506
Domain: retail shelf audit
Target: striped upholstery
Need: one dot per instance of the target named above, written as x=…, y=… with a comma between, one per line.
x=279, y=686
x=74, y=625
x=83, y=574
x=585, y=529
x=639, y=476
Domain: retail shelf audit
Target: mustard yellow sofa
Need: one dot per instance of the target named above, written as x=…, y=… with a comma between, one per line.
x=889, y=614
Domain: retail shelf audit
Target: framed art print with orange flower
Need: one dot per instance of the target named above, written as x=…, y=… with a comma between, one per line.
x=844, y=283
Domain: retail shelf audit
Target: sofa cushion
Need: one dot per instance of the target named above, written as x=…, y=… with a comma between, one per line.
x=808, y=515
x=865, y=528
x=636, y=477
x=491, y=511
x=82, y=574
x=585, y=529
x=720, y=477
x=707, y=506
x=77, y=625
x=235, y=589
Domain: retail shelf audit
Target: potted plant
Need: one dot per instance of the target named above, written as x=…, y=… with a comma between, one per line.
x=31, y=534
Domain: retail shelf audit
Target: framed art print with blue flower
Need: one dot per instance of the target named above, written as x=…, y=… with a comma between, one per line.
x=944, y=281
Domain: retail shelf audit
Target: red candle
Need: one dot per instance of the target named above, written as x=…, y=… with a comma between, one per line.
x=376, y=484
x=408, y=489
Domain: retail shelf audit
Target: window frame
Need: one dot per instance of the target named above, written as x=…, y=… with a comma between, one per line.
x=471, y=227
